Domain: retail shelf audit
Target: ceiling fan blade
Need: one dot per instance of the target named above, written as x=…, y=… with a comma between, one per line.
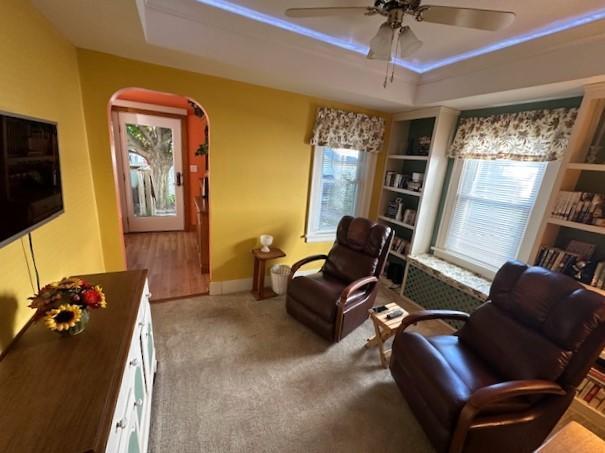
x=334, y=11
x=483, y=19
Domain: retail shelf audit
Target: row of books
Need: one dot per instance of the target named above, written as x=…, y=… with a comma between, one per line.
x=581, y=207
x=556, y=259
x=575, y=260
x=592, y=390
x=402, y=181
x=401, y=246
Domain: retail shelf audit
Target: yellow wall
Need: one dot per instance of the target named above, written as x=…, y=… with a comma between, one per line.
x=259, y=162
x=39, y=77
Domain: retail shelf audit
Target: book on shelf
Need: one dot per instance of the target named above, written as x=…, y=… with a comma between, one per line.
x=592, y=390
x=556, y=259
x=576, y=261
x=402, y=181
x=580, y=207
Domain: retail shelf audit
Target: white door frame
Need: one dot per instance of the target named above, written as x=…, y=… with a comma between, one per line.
x=131, y=222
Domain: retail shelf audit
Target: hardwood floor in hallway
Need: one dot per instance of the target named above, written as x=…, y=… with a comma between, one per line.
x=172, y=260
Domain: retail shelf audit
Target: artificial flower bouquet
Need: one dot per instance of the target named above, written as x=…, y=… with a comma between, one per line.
x=64, y=305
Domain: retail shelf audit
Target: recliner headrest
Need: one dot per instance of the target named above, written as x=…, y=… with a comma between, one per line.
x=550, y=302
x=362, y=235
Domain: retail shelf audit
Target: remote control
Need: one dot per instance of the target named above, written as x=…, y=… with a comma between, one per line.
x=395, y=314
x=379, y=309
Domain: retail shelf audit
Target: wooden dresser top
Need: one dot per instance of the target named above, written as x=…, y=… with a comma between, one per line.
x=58, y=393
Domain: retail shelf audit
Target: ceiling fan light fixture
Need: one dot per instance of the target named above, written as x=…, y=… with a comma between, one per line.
x=408, y=42
x=381, y=45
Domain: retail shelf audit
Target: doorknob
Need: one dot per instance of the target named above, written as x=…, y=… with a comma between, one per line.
x=179, y=177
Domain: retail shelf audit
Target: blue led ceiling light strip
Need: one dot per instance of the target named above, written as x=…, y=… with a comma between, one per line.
x=295, y=28
x=550, y=29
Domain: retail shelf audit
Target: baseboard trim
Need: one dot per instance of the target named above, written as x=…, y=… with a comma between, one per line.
x=244, y=284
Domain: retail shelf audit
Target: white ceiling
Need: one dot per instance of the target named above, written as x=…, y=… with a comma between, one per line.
x=440, y=41
x=188, y=34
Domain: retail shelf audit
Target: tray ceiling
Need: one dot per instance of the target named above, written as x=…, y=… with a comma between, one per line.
x=443, y=44
x=253, y=41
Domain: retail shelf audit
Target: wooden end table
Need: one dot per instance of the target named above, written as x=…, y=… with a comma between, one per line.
x=258, y=280
x=385, y=329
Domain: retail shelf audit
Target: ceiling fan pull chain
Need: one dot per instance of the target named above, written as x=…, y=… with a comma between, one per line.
x=386, y=76
x=396, y=54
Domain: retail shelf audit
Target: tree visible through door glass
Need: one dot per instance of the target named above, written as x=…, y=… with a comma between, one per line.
x=151, y=167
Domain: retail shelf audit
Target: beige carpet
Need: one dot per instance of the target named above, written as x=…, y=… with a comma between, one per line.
x=237, y=375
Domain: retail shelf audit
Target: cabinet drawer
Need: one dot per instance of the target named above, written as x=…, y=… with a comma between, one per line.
x=125, y=407
x=120, y=419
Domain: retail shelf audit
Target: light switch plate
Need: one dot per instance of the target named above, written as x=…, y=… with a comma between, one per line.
x=193, y=168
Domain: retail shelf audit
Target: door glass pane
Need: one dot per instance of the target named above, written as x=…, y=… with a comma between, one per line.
x=339, y=186
x=151, y=167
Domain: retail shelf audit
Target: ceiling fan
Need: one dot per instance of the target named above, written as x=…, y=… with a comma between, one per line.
x=381, y=45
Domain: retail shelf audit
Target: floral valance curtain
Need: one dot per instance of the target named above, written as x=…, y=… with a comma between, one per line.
x=535, y=135
x=340, y=129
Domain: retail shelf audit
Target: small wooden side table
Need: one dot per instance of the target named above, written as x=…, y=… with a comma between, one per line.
x=385, y=329
x=258, y=280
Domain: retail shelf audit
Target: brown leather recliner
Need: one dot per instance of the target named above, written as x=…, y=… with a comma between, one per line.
x=501, y=383
x=336, y=300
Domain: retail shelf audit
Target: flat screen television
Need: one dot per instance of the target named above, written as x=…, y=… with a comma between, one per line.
x=30, y=175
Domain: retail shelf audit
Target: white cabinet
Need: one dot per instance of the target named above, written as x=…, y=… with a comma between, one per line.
x=130, y=427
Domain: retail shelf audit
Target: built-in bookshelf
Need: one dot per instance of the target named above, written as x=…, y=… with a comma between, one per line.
x=576, y=210
x=590, y=396
x=571, y=238
x=415, y=168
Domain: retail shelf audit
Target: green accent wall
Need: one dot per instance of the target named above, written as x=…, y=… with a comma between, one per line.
x=551, y=104
x=432, y=293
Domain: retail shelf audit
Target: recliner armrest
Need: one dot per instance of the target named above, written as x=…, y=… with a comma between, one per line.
x=357, y=284
x=503, y=390
x=304, y=261
x=483, y=397
x=425, y=315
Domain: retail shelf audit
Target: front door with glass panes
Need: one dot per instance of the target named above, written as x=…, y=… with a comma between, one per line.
x=153, y=172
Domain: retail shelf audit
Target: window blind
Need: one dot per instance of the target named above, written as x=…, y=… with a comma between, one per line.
x=493, y=204
x=337, y=187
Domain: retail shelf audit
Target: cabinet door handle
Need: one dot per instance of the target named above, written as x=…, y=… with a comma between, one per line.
x=122, y=424
x=134, y=362
x=138, y=403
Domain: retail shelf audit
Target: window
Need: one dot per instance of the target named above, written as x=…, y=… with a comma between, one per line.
x=489, y=215
x=340, y=185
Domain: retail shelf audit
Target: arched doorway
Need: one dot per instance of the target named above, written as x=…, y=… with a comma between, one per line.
x=160, y=150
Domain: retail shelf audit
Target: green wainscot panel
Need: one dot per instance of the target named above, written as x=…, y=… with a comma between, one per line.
x=433, y=294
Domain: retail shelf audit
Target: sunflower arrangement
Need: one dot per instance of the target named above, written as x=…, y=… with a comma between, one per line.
x=64, y=305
